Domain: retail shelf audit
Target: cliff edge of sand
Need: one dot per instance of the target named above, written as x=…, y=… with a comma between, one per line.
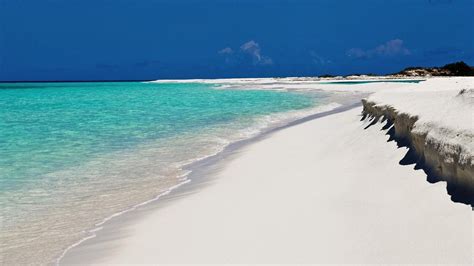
x=435, y=121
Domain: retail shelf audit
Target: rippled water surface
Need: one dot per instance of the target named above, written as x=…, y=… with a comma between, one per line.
x=72, y=154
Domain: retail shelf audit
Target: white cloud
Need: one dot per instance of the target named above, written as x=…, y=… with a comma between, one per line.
x=226, y=50
x=248, y=51
x=356, y=52
x=391, y=48
x=253, y=49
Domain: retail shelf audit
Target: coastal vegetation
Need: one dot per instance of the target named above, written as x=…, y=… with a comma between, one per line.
x=454, y=69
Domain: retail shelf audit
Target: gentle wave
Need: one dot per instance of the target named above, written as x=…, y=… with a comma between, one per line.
x=115, y=147
x=264, y=124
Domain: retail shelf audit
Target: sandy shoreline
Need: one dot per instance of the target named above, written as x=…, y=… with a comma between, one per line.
x=324, y=191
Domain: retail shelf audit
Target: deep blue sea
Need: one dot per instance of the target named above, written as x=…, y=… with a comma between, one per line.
x=73, y=154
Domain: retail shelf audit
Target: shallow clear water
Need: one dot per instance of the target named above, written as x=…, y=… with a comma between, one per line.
x=73, y=154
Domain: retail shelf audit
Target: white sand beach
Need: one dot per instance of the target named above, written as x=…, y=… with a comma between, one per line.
x=329, y=190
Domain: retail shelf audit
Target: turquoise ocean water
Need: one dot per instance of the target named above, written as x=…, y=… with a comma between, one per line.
x=72, y=154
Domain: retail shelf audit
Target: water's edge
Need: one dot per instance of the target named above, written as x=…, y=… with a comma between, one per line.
x=198, y=175
x=78, y=153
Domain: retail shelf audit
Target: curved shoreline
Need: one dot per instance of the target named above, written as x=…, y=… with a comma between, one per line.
x=197, y=169
x=200, y=169
x=284, y=198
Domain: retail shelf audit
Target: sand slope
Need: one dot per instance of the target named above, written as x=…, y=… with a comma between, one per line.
x=326, y=191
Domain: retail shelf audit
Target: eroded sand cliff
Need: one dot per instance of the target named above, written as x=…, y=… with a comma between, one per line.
x=444, y=149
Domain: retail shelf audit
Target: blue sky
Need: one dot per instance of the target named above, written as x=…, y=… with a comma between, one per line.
x=146, y=39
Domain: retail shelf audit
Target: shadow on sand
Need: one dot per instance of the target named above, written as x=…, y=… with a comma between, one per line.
x=458, y=193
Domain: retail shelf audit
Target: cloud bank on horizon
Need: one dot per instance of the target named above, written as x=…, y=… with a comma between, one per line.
x=91, y=40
